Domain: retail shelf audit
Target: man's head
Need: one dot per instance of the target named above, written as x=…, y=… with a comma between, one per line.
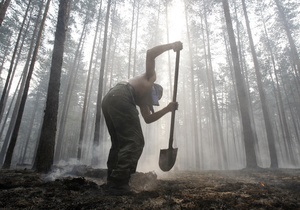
x=157, y=92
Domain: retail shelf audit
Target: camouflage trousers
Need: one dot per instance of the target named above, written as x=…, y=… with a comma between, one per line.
x=127, y=140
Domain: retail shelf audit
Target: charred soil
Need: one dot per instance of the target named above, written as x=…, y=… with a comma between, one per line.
x=81, y=188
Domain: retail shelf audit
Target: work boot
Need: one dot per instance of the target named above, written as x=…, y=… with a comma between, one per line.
x=115, y=188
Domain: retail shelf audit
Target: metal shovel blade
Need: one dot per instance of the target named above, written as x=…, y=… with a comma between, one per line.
x=167, y=158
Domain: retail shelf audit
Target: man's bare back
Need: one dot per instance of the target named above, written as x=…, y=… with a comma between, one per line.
x=142, y=84
x=142, y=87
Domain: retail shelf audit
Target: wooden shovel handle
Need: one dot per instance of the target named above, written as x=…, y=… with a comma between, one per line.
x=174, y=98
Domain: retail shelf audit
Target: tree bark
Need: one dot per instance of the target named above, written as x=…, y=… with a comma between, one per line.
x=13, y=140
x=87, y=89
x=100, y=87
x=45, y=151
x=248, y=131
x=130, y=41
x=264, y=104
x=20, y=92
x=22, y=156
x=10, y=71
x=68, y=93
x=294, y=52
x=286, y=136
x=217, y=120
x=193, y=99
x=3, y=8
x=169, y=53
x=136, y=37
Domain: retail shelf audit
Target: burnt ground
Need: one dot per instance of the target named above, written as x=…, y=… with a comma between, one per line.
x=244, y=189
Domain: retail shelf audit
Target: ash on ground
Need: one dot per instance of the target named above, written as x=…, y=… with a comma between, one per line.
x=80, y=188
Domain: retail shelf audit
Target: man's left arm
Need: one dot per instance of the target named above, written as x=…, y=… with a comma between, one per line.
x=156, y=51
x=152, y=117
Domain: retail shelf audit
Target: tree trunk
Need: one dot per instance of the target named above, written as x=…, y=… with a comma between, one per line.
x=14, y=70
x=294, y=52
x=107, y=68
x=289, y=137
x=3, y=8
x=22, y=156
x=13, y=140
x=136, y=38
x=169, y=53
x=266, y=115
x=10, y=127
x=87, y=89
x=218, y=127
x=10, y=71
x=130, y=41
x=193, y=101
x=279, y=99
x=109, y=46
x=68, y=93
x=211, y=110
x=244, y=71
x=5, y=54
x=239, y=154
x=100, y=87
x=20, y=92
x=248, y=131
x=45, y=151
x=293, y=116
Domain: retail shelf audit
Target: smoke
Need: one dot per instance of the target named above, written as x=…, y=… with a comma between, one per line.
x=143, y=181
x=62, y=169
x=75, y=168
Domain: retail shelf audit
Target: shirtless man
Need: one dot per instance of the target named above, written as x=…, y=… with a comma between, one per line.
x=122, y=120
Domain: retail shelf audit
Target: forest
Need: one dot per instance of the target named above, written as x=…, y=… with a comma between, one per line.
x=238, y=90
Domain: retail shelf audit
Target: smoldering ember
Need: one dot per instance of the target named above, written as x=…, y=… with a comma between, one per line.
x=79, y=187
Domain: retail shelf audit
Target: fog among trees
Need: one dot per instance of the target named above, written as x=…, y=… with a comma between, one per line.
x=238, y=87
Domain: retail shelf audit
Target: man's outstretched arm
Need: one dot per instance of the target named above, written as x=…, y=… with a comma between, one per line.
x=156, y=51
x=152, y=117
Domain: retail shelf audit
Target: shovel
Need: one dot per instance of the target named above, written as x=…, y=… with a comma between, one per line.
x=167, y=157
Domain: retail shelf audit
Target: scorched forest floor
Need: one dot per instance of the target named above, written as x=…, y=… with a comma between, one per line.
x=81, y=188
